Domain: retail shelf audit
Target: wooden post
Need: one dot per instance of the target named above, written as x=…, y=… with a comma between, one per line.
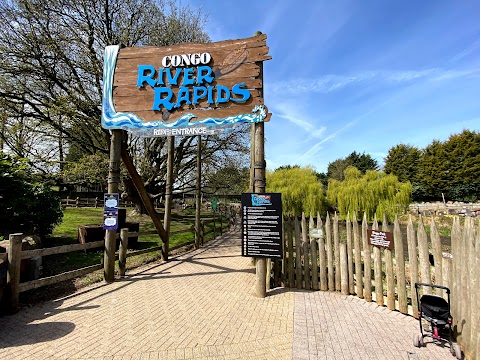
x=321, y=257
x=367, y=271
x=331, y=271
x=377, y=263
x=168, y=195
x=457, y=267
x=268, y=274
x=473, y=290
x=423, y=255
x=252, y=157
x=313, y=251
x=358, y=258
x=259, y=184
x=298, y=255
x=389, y=270
x=437, y=253
x=351, y=282
x=122, y=251
x=13, y=271
x=336, y=249
x=113, y=181
x=400, y=261
x=291, y=274
x=306, y=257
x=413, y=264
x=344, y=269
x=447, y=275
x=476, y=319
x=198, y=192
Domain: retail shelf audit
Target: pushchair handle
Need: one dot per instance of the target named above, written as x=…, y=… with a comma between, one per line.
x=417, y=285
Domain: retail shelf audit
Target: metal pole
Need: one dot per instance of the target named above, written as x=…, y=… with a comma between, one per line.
x=168, y=195
x=113, y=181
x=198, y=192
x=259, y=185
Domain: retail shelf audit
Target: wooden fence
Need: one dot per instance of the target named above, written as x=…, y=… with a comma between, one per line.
x=15, y=254
x=90, y=202
x=343, y=260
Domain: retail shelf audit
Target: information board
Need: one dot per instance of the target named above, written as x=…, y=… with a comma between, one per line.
x=262, y=225
x=381, y=238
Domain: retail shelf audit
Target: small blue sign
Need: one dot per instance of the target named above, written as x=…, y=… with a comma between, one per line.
x=110, y=212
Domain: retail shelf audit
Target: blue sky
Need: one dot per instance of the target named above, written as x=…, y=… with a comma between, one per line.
x=349, y=75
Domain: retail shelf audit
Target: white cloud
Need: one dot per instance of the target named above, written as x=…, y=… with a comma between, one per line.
x=333, y=82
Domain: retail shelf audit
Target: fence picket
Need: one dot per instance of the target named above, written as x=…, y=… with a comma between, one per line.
x=313, y=252
x=389, y=270
x=367, y=261
x=351, y=283
x=437, y=253
x=400, y=262
x=322, y=257
x=413, y=263
x=344, y=268
x=358, y=258
x=456, y=236
x=336, y=252
x=298, y=253
x=328, y=233
x=306, y=256
x=377, y=264
x=423, y=255
x=291, y=274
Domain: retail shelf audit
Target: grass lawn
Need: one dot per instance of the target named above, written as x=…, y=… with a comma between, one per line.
x=66, y=233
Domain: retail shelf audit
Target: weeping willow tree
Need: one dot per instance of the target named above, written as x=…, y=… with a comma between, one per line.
x=372, y=193
x=301, y=191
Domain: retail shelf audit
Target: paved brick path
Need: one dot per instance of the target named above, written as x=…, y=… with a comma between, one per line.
x=200, y=306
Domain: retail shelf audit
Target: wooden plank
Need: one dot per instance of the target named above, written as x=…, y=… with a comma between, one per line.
x=290, y=263
x=336, y=250
x=400, y=262
x=447, y=274
x=344, y=269
x=423, y=256
x=331, y=271
x=477, y=303
x=358, y=258
x=469, y=240
x=314, y=253
x=456, y=239
x=227, y=45
x=61, y=249
x=58, y=278
x=389, y=270
x=437, y=253
x=367, y=281
x=145, y=251
x=322, y=257
x=413, y=264
x=473, y=290
x=298, y=253
x=351, y=282
x=306, y=253
x=377, y=264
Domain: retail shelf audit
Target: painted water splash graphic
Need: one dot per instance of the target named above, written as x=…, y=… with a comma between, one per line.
x=122, y=120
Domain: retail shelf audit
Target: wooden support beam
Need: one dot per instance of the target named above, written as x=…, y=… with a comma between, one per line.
x=168, y=195
x=13, y=271
x=147, y=201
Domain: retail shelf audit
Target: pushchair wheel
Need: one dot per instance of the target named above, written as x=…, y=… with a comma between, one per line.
x=418, y=340
x=456, y=351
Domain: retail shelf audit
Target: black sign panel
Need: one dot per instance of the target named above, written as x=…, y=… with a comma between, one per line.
x=262, y=225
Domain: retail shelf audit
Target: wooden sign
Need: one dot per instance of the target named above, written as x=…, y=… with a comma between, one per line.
x=185, y=89
x=381, y=239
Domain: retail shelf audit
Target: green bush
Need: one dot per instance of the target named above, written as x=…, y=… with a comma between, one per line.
x=28, y=206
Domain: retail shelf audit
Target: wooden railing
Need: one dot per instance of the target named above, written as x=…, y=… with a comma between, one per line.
x=90, y=202
x=15, y=255
x=346, y=262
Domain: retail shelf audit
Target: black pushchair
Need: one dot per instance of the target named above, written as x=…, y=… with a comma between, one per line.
x=435, y=310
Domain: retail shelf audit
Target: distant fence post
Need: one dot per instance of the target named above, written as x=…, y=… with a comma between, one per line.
x=336, y=252
x=367, y=282
x=321, y=256
x=344, y=269
x=358, y=257
x=13, y=272
x=122, y=251
x=328, y=237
